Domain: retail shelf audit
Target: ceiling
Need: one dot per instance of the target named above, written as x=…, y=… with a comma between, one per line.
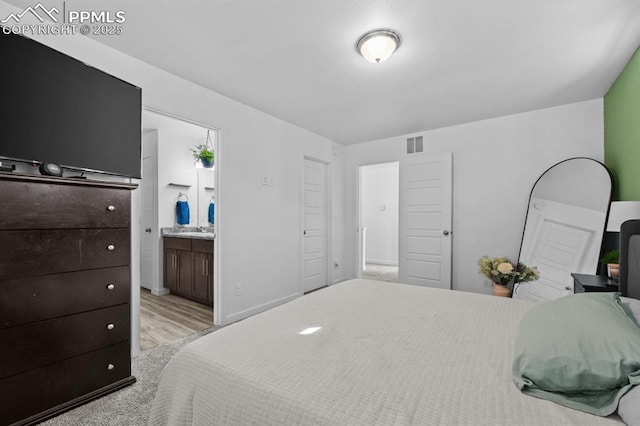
x=460, y=60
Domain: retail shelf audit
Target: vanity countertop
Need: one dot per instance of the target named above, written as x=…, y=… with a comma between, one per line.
x=189, y=232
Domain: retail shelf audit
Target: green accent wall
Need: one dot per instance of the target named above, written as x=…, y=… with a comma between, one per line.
x=622, y=131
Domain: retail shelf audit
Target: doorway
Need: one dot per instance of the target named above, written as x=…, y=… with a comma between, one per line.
x=171, y=174
x=379, y=221
x=423, y=184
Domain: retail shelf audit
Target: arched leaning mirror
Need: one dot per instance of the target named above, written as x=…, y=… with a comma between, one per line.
x=563, y=230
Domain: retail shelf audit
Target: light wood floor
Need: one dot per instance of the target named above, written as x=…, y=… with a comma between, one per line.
x=167, y=318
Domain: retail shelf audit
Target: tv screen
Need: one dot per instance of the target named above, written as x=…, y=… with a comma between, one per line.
x=56, y=109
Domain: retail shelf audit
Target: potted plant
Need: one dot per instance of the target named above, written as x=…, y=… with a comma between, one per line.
x=612, y=260
x=501, y=271
x=204, y=154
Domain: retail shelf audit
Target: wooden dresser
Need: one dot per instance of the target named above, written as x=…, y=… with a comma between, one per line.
x=64, y=294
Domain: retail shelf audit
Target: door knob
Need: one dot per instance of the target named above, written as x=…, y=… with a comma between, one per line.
x=147, y=230
x=445, y=232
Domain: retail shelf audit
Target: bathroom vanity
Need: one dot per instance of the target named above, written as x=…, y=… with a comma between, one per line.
x=188, y=264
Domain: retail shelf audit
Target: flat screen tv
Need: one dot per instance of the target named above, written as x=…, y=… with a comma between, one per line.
x=56, y=109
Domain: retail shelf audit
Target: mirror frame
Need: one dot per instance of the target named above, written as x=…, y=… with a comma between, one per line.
x=533, y=187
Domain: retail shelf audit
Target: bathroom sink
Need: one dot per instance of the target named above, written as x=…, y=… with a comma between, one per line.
x=204, y=235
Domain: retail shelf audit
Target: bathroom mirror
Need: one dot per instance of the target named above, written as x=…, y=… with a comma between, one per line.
x=563, y=229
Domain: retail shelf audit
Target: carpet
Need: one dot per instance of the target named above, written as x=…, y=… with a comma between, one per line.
x=381, y=272
x=131, y=405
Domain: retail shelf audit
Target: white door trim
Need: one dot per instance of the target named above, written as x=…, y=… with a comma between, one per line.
x=329, y=190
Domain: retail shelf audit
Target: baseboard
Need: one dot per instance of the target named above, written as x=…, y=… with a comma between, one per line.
x=339, y=280
x=382, y=262
x=257, y=309
x=160, y=292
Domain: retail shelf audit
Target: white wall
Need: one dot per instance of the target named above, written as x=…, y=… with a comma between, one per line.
x=495, y=164
x=379, y=209
x=259, y=227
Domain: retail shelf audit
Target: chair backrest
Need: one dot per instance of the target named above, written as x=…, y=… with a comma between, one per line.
x=630, y=259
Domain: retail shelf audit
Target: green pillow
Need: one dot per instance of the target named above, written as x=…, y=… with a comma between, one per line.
x=580, y=351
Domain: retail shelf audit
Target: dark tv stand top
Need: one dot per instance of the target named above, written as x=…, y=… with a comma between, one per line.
x=24, y=177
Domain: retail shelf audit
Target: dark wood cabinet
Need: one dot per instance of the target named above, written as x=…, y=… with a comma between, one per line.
x=185, y=273
x=188, y=268
x=171, y=268
x=201, y=276
x=65, y=315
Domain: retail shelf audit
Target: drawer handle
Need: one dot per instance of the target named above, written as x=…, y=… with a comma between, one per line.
x=111, y=286
x=111, y=247
x=110, y=367
x=111, y=208
x=110, y=326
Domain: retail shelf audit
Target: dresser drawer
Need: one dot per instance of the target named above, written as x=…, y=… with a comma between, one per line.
x=26, y=300
x=37, y=344
x=44, y=252
x=53, y=206
x=38, y=390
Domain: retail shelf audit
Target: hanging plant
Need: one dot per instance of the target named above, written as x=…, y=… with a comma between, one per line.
x=204, y=153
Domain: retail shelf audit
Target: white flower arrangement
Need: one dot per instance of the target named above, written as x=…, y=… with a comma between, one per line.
x=505, y=268
x=501, y=270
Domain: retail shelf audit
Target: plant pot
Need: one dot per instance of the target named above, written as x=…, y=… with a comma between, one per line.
x=207, y=164
x=614, y=270
x=501, y=290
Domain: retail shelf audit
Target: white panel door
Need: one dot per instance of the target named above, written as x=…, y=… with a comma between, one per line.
x=425, y=220
x=559, y=247
x=146, y=224
x=315, y=225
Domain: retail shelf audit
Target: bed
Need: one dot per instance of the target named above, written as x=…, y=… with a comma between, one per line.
x=386, y=353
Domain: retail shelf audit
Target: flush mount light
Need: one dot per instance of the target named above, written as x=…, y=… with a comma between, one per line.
x=376, y=46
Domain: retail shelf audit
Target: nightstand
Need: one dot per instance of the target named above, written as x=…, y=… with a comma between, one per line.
x=584, y=283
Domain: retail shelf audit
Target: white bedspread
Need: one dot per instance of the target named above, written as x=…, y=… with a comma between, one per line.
x=386, y=354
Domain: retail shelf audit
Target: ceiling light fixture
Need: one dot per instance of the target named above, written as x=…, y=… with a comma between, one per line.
x=376, y=46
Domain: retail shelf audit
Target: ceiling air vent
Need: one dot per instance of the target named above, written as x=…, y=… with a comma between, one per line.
x=414, y=145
